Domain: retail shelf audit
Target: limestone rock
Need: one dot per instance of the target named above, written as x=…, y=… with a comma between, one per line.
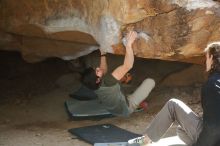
x=169, y=30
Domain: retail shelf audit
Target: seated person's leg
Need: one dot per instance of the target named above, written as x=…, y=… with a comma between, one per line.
x=174, y=110
x=183, y=136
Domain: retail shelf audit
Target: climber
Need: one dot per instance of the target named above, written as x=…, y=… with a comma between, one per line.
x=107, y=85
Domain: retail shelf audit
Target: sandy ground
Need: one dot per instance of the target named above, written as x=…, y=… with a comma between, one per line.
x=32, y=105
x=44, y=122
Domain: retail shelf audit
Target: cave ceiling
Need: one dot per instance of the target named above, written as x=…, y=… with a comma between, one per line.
x=176, y=30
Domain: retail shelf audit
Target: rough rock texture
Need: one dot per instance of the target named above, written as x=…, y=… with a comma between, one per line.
x=168, y=29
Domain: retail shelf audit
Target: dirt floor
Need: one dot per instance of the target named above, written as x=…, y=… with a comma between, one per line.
x=32, y=99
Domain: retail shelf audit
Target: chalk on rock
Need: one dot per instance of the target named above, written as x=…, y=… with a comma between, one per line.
x=143, y=35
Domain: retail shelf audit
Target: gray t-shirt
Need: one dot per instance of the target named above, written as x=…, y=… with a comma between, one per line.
x=111, y=96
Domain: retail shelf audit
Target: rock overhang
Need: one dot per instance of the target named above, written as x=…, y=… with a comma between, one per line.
x=169, y=30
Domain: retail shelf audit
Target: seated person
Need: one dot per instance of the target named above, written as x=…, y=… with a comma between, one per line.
x=193, y=130
x=107, y=87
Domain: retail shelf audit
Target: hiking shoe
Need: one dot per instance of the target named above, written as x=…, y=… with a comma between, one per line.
x=143, y=105
x=139, y=141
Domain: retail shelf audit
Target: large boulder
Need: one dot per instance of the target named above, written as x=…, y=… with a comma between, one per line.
x=168, y=29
